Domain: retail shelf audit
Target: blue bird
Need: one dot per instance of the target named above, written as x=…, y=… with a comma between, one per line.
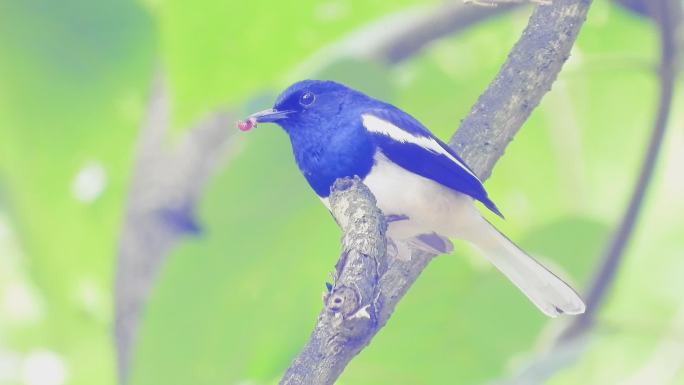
x=423, y=187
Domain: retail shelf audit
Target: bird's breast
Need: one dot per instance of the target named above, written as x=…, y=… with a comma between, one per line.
x=424, y=205
x=324, y=162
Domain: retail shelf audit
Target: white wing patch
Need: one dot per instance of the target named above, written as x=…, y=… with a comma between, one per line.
x=380, y=126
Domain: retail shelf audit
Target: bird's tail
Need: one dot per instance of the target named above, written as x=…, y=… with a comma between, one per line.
x=548, y=292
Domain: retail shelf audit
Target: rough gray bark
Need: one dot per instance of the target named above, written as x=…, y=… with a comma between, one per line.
x=352, y=306
x=531, y=68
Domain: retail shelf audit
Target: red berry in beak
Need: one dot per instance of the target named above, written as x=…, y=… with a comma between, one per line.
x=246, y=125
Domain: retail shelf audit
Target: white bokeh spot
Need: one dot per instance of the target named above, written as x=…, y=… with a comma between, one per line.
x=91, y=298
x=90, y=182
x=20, y=304
x=10, y=364
x=43, y=367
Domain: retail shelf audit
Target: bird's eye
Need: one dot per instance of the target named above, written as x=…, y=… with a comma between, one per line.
x=307, y=99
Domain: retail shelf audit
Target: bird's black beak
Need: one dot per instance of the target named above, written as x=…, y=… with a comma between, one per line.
x=269, y=116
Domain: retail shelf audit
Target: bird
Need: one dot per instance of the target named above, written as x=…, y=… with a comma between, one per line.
x=423, y=187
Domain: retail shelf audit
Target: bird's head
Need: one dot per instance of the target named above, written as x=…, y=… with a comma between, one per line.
x=307, y=104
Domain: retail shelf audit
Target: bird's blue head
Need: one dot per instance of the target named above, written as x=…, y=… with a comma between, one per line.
x=321, y=117
x=307, y=105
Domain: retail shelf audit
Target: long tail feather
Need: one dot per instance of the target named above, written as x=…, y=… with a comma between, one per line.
x=548, y=292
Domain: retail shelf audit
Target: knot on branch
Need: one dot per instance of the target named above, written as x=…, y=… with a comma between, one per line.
x=349, y=317
x=342, y=300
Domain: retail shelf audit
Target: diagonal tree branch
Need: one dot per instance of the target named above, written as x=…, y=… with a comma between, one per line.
x=527, y=75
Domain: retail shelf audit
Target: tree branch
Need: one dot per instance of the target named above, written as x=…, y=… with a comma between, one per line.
x=530, y=70
x=351, y=307
x=527, y=75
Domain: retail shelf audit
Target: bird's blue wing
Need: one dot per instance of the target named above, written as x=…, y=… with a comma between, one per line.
x=407, y=143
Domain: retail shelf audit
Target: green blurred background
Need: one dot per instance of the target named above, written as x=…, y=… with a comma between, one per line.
x=236, y=301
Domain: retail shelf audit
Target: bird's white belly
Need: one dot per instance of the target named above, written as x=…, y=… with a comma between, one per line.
x=427, y=206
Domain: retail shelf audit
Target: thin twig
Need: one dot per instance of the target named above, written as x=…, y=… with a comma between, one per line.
x=527, y=75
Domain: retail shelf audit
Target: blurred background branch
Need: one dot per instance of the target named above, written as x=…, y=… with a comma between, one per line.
x=168, y=180
x=573, y=341
x=412, y=32
x=666, y=15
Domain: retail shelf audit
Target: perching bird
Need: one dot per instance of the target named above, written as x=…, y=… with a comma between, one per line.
x=423, y=187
